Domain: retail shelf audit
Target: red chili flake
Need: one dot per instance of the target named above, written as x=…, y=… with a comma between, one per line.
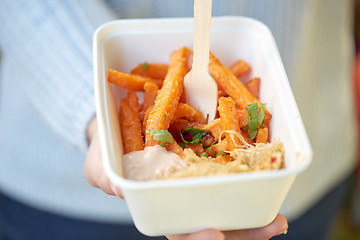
x=273, y=159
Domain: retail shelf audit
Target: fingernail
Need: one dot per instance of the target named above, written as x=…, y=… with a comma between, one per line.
x=283, y=232
x=284, y=229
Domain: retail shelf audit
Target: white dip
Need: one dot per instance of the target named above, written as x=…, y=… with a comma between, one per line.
x=151, y=163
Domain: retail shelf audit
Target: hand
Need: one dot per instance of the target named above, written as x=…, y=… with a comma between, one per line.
x=94, y=170
x=278, y=226
x=96, y=176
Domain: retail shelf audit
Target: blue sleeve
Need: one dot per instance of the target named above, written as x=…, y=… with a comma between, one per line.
x=46, y=49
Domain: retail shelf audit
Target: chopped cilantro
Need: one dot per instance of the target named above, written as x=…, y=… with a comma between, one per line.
x=209, y=146
x=195, y=131
x=163, y=136
x=255, y=119
x=165, y=117
x=208, y=149
x=196, y=134
x=204, y=154
x=219, y=153
x=182, y=145
x=246, y=128
x=145, y=66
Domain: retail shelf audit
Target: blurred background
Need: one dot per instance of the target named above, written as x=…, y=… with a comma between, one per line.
x=347, y=224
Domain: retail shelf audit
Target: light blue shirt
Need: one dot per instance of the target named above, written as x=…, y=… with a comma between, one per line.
x=46, y=93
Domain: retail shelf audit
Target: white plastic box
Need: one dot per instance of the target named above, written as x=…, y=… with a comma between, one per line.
x=238, y=201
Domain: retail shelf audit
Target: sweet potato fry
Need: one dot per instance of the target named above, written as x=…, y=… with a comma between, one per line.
x=231, y=85
x=221, y=92
x=228, y=81
x=242, y=117
x=215, y=148
x=223, y=159
x=197, y=148
x=262, y=135
x=183, y=97
x=151, y=90
x=151, y=70
x=227, y=111
x=240, y=68
x=246, y=135
x=130, y=123
x=146, y=117
x=184, y=110
x=214, y=127
x=130, y=81
x=253, y=86
x=208, y=139
x=168, y=97
x=175, y=148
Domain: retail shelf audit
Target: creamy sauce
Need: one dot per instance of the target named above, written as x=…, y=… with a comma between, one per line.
x=151, y=163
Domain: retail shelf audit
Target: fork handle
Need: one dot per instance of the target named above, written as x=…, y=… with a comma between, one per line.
x=202, y=21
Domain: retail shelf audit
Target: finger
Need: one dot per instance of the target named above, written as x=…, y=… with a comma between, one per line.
x=117, y=191
x=93, y=168
x=278, y=226
x=209, y=234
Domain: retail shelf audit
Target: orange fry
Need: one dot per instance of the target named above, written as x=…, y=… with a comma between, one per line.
x=214, y=127
x=242, y=117
x=151, y=70
x=253, y=86
x=216, y=148
x=208, y=139
x=240, y=68
x=262, y=135
x=227, y=111
x=175, y=148
x=223, y=159
x=197, y=148
x=183, y=97
x=166, y=101
x=151, y=90
x=231, y=85
x=184, y=110
x=221, y=92
x=130, y=81
x=246, y=135
x=146, y=117
x=130, y=123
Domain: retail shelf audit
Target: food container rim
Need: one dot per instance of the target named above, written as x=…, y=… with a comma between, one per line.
x=138, y=25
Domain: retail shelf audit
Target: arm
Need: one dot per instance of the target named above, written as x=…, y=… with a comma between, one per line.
x=46, y=50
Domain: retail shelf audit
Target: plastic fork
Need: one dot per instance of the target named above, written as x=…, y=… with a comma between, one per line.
x=200, y=87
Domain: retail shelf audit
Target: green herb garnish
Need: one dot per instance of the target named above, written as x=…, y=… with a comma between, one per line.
x=182, y=145
x=196, y=134
x=255, y=118
x=145, y=66
x=209, y=146
x=221, y=153
x=204, y=154
x=163, y=136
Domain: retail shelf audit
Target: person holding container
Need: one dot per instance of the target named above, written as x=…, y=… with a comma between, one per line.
x=48, y=127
